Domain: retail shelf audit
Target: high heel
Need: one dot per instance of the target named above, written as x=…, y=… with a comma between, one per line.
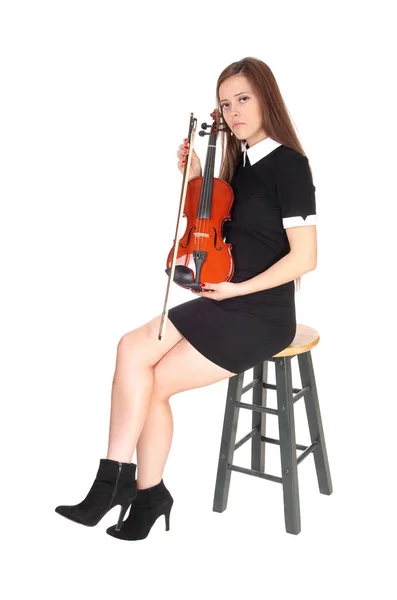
x=148, y=506
x=114, y=484
x=122, y=514
x=167, y=520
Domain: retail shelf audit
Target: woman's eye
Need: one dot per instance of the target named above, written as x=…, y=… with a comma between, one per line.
x=242, y=98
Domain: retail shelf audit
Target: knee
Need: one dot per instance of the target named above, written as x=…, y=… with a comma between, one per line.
x=128, y=344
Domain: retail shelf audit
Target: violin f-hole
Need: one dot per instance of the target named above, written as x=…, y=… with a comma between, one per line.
x=216, y=235
x=188, y=238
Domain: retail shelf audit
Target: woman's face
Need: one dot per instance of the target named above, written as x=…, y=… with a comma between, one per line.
x=240, y=104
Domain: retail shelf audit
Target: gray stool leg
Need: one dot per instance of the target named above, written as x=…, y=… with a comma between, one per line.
x=259, y=398
x=228, y=442
x=289, y=466
x=315, y=423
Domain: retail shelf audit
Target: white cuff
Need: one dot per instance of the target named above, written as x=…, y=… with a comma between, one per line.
x=299, y=221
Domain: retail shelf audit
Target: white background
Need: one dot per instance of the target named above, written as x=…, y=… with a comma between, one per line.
x=95, y=99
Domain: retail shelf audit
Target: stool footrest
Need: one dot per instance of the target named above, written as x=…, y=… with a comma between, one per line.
x=271, y=386
x=274, y=441
x=271, y=411
x=250, y=385
x=299, y=392
x=256, y=408
x=255, y=473
x=246, y=438
x=306, y=449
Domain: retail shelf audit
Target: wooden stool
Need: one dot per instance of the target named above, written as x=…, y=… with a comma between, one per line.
x=305, y=339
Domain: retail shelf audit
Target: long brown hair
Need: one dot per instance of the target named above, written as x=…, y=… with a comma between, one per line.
x=276, y=120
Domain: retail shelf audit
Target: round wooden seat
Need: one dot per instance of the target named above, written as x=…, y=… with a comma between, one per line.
x=305, y=339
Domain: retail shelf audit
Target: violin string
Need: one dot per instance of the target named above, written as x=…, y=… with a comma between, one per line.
x=212, y=170
x=205, y=192
x=209, y=185
x=202, y=226
x=207, y=196
x=204, y=196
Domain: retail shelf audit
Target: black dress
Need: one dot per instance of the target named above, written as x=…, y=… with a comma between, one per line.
x=273, y=190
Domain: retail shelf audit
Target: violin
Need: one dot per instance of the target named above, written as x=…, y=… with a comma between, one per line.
x=201, y=254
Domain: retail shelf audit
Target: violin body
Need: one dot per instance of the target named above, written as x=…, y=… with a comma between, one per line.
x=202, y=254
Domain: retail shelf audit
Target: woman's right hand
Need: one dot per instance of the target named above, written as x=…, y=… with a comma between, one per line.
x=195, y=165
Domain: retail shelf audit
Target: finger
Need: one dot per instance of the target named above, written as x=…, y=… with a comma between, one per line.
x=183, y=148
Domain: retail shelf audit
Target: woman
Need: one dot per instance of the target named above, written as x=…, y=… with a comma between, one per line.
x=223, y=332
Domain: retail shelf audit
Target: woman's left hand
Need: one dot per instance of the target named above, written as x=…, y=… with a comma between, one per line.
x=222, y=290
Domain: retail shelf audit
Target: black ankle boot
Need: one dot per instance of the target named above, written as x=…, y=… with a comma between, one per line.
x=149, y=504
x=114, y=484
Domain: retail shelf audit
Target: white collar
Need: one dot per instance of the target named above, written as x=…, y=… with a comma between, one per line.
x=258, y=150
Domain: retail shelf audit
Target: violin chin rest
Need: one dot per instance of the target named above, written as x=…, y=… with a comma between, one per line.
x=182, y=275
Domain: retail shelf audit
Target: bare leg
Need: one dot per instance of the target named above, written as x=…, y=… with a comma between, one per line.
x=133, y=416
x=131, y=392
x=147, y=375
x=182, y=368
x=137, y=353
x=154, y=444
